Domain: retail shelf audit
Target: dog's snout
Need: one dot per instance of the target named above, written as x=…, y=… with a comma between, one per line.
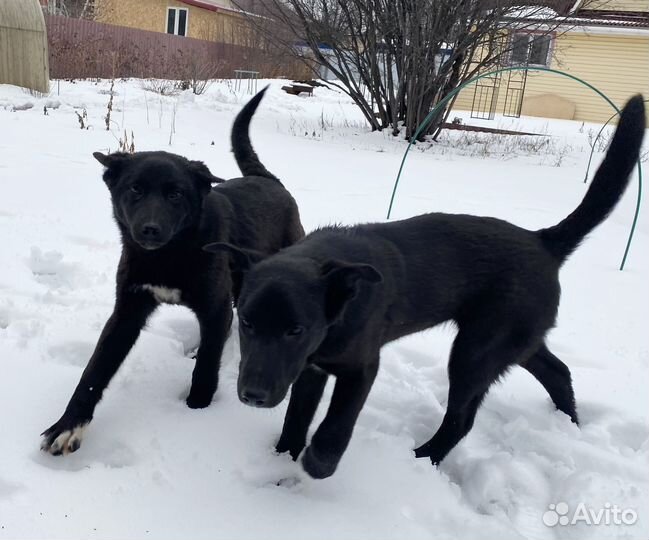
x=255, y=397
x=151, y=231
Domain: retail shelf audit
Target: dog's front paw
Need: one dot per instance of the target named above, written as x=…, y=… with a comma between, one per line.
x=199, y=398
x=292, y=447
x=317, y=465
x=428, y=450
x=64, y=437
x=202, y=391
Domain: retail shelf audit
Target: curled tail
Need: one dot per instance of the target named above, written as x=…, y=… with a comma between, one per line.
x=606, y=189
x=246, y=157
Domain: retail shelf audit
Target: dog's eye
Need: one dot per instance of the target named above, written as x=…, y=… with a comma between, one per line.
x=295, y=330
x=174, y=195
x=245, y=323
x=136, y=189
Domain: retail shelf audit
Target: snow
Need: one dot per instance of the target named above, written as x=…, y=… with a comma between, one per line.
x=151, y=467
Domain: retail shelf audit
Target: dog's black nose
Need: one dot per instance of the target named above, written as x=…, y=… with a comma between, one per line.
x=151, y=231
x=254, y=398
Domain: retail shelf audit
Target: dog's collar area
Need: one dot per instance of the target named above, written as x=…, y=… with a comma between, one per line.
x=164, y=295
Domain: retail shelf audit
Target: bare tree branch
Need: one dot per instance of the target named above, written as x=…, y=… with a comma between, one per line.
x=398, y=58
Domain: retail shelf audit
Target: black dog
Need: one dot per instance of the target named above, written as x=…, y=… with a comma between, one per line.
x=166, y=211
x=329, y=303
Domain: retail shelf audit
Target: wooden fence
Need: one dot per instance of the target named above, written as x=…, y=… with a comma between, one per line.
x=87, y=49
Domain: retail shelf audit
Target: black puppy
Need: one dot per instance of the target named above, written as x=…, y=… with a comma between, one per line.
x=166, y=211
x=329, y=303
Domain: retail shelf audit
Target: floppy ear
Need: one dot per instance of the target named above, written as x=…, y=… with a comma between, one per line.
x=241, y=259
x=114, y=164
x=203, y=177
x=342, y=280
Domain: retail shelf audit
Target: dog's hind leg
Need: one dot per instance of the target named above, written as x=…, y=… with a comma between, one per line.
x=463, y=404
x=554, y=375
x=475, y=364
x=305, y=397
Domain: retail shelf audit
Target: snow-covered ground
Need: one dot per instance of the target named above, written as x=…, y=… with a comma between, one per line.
x=150, y=467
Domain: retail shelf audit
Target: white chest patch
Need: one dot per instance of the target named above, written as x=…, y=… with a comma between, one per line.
x=163, y=294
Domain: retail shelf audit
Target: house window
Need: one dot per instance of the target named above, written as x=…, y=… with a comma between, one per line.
x=530, y=49
x=177, y=21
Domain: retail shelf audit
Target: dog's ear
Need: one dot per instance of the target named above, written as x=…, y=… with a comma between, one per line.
x=342, y=280
x=241, y=259
x=114, y=163
x=203, y=177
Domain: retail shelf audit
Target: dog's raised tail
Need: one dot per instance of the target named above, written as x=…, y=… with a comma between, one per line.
x=607, y=187
x=245, y=155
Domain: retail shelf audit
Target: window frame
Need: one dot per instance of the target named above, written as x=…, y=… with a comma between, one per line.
x=177, y=11
x=531, y=36
x=518, y=37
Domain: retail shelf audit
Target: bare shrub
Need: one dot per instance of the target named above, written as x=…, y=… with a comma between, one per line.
x=198, y=71
x=163, y=87
x=600, y=143
x=125, y=144
x=548, y=150
x=83, y=119
x=109, y=107
x=172, y=127
x=397, y=59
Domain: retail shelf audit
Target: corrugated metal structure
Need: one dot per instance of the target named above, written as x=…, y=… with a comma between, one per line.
x=23, y=45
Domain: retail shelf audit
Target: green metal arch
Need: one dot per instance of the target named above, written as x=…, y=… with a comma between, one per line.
x=450, y=96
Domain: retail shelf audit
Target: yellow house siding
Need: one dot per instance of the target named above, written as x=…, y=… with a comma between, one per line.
x=152, y=15
x=619, y=5
x=615, y=64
